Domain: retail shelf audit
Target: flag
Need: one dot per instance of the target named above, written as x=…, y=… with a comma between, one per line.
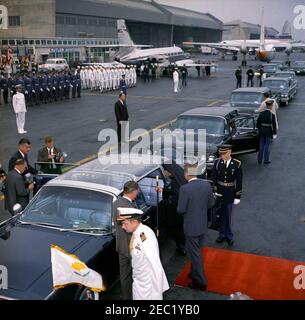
x=68, y=269
x=9, y=55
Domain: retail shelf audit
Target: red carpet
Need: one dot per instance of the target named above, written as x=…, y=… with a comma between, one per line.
x=259, y=277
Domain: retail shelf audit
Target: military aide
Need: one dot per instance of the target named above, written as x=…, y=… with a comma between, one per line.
x=227, y=178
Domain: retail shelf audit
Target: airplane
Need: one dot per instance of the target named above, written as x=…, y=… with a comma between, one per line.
x=129, y=53
x=264, y=49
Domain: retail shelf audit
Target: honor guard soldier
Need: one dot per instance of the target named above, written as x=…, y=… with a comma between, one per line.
x=50, y=87
x=61, y=85
x=28, y=82
x=149, y=279
x=12, y=86
x=36, y=89
x=73, y=85
x=4, y=85
x=67, y=85
x=227, y=179
x=55, y=87
x=78, y=82
x=123, y=85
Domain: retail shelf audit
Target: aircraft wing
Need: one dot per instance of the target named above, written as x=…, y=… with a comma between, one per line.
x=223, y=47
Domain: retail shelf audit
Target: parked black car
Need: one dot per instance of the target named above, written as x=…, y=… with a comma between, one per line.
x=248, y=100
x=222, y=125
x=298, y=67
x=74, y=212
x=286, y=88
x=270, y=69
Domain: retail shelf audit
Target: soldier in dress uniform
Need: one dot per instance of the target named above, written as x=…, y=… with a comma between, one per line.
x=61, y=85
x=4, y=85
x=36, y=89
x=67, y=85
x=28, y=82
x=78, y=82
x=227, y=179
x=73, y=84
x=149, y=279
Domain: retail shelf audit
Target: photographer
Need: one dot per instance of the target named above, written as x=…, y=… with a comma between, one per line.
x=51, y=158
x=16, y=189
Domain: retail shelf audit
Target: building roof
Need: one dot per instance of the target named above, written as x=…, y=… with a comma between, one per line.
x=139, y=10
x=251, y=27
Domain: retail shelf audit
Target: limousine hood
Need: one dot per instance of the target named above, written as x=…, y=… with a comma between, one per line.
x=25, y=252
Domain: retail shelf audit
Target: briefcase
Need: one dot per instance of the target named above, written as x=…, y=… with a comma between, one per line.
x=216, y=214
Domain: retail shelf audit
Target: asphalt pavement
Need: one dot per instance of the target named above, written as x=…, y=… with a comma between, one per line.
x=270, y=218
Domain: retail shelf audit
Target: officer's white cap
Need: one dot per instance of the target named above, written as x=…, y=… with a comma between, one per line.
x=128, y=213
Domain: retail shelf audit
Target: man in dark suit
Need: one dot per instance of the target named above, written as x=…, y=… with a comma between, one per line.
x=195, y=198
x=22, y=153
x=121, y=114
x=52, y=155
x=123, y=238
x=16, y=190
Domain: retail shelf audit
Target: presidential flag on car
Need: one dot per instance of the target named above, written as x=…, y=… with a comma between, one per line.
x=68, y=269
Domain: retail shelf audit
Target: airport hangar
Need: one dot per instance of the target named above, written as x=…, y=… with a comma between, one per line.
x=82, y=30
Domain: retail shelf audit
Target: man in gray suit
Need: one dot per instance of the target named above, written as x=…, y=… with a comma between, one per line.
x=15, y=188
x=195, y=198
x=123, y=238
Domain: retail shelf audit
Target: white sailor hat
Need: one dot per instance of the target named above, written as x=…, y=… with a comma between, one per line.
x=128, y=213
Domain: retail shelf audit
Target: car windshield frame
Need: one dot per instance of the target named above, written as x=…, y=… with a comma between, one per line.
x=220, y=132
x=236, y=95
x=72, y=209
x=278, y=86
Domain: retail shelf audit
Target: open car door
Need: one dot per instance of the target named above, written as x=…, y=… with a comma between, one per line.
x=244, y=135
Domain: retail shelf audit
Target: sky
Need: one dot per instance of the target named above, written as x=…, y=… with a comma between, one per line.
x=276, y=11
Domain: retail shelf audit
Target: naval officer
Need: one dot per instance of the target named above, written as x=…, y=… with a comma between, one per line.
x=149, y=279
x=227, y=179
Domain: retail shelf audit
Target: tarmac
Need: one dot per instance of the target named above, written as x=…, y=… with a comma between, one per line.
x=270, y=218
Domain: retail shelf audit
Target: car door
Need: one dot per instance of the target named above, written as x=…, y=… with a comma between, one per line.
x=244, y=137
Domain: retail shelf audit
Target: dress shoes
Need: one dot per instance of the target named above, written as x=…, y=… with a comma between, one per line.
x=230, y=242
x=220, y=240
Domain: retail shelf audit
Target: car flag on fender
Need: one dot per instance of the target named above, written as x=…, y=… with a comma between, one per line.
x=68, y=269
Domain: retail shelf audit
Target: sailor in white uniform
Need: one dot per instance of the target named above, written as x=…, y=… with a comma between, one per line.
x=149, y=279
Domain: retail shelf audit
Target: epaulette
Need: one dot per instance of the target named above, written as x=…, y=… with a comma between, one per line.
x=143, y=236
x=238, y=162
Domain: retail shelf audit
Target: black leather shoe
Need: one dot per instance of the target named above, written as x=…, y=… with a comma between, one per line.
x=230, y=242
x=220, y=240
x=267, y=162
x=196, y=286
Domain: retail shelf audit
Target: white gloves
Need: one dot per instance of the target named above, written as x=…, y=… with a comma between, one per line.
x=274, y=136
x=217, y=194
x=236, y=201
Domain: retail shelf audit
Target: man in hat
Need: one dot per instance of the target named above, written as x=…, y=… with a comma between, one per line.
x=238, y=76
x=267, y=127
x=20, y=109
x=275, y=107
x=149, y=279
x=227, y=178
x=130, y=193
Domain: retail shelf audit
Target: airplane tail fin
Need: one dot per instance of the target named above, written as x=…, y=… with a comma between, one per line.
x=123, y=34
x=262, y=36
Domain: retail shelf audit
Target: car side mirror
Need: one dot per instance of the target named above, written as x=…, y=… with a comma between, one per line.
x=17, y=208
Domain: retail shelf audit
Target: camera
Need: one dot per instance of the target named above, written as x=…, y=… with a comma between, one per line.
x=28, y=178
